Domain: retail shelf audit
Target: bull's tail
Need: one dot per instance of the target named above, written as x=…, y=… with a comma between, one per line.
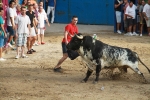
x=142, y=62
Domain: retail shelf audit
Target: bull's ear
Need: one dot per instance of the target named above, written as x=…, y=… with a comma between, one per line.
x=79, y=36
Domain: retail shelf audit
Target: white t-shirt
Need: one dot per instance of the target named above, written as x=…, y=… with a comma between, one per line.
x=22, y=22
x=131, y=11
x=10, y=13
x=41, y=17
x=146, y=9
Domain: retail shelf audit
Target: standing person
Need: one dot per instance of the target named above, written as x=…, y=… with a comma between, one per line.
x=70, y=30
x=2, y=34
x=41, y=25
x=131, y=21
x=51, y=8
x=10, y=22
x=146, y=12
x=32, y=37
x=126, y=4
x=23, y=28
x=142, y=21
x=118, y=14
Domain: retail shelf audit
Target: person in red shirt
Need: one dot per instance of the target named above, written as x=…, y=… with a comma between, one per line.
x=70, y=30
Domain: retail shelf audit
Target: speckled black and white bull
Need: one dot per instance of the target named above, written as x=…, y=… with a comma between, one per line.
x=99, y=55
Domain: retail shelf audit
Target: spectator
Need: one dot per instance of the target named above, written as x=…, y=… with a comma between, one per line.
x=142, y=21
x=18, y=9
x=24, y=3
x=51, y=8
x=41, y=26
x=70, y=30
x=22, y=22
x=2, y=33
x=118, y=13
x=10, y=22
x=126, y=4
x=146, y=12
x=131, y=21
x=32, y=37
x=139, y=3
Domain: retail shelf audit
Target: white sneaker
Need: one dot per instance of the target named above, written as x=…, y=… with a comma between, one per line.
x=128, y=34
x=118, y=31
x=17, y=57
x=140, y=34
x=36, y=44
x=10, y=45
x=134, y=33
x=24, y=56
x=2, y=59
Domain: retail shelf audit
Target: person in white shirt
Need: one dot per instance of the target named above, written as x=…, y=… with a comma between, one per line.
x=10, y=22
x=131, y=21
x=41, y=25
x=23, y=30
x=146, y=12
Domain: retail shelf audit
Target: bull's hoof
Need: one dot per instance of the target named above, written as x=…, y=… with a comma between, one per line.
x=145, y=82
x=95, y=82
x=83, y=81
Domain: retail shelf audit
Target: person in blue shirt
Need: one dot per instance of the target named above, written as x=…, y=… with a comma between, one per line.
x=51, y=8
x=2, y=33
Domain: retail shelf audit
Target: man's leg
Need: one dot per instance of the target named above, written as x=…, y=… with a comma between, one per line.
x=65, y=56
x=53, y=14
x=28, y=45
x=42, y=36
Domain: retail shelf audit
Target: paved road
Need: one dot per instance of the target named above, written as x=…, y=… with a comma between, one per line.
x=59, y=28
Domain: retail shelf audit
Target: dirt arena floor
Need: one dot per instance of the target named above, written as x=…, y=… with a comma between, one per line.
x=33, y=78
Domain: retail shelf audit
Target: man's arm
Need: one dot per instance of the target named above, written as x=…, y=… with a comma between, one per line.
x=117, y=5
x=65, y=36
x=54, y=3
x=34, y=24
x=47, y=22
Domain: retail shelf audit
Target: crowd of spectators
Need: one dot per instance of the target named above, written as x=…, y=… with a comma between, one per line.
x=135, y=17
x=24, y=27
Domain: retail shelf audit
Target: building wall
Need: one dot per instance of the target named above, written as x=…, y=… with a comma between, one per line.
x=88, y=11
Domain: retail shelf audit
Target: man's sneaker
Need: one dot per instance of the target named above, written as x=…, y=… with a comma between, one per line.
x=32, y=50
x=134, y=33
x=59, y=69
x=140, y=34
x=128, y=34
x=17, y=57
x=119, y=32
x=2, y=59
x=24, y=56
x=10, y=45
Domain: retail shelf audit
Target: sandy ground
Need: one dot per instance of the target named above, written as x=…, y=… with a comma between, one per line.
x=33, y=78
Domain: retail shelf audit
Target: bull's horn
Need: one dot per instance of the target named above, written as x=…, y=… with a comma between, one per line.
x=79, y=37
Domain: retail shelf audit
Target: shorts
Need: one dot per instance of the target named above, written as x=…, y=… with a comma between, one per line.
x=142, y=21
x=32, y=34
x=1, y=41
x=41, y=31
x=64, y=49
x=10, y=30
x=118, y=16
x=22, y=39
x=131, y=22
x=148, y=22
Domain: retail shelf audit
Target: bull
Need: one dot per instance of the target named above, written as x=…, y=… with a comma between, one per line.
x=99, y=55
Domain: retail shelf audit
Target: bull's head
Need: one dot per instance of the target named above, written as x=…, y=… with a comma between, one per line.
x=75, y=42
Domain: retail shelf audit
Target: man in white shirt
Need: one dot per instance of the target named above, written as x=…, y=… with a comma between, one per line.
x=10, y=22
x=23, y=30
x=131, y=21
x=146, y=12
x=41, y=25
